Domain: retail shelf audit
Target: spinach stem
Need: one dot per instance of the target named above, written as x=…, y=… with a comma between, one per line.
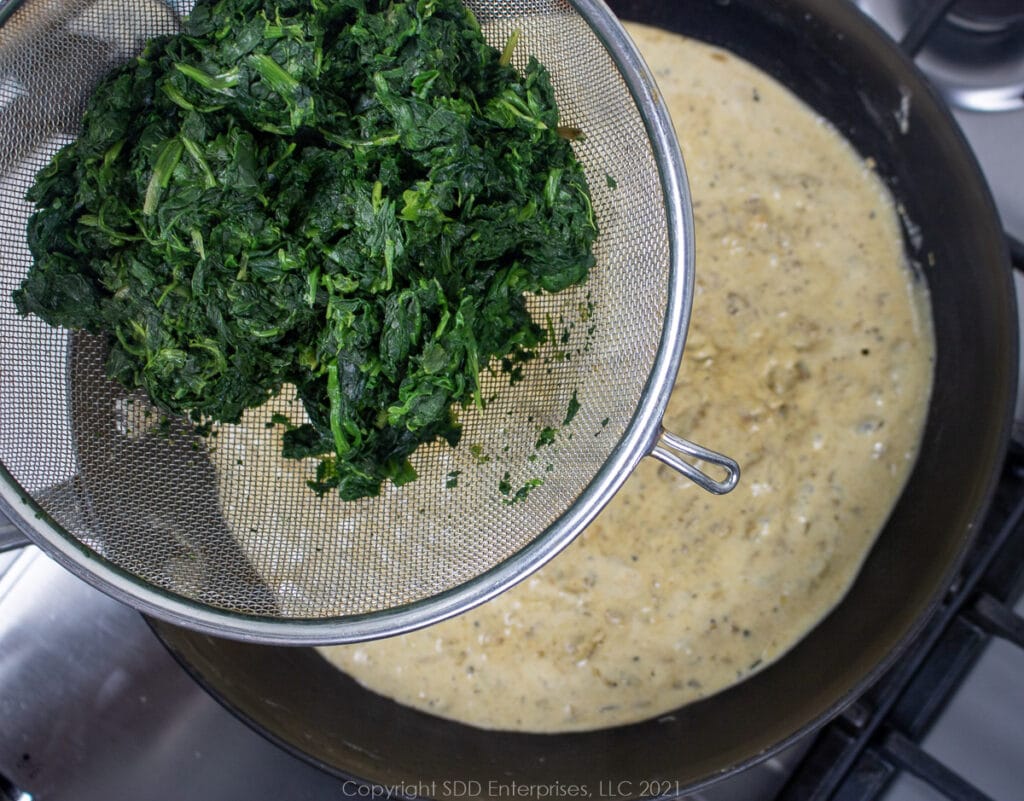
x=510, y=47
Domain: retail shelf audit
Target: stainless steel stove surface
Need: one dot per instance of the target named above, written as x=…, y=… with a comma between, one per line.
x=975, y=57
x=92, y=707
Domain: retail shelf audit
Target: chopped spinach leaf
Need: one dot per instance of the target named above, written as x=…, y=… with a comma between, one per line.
x=574, y=407
x=520, y=494
x=547, y=437
x=350, y=196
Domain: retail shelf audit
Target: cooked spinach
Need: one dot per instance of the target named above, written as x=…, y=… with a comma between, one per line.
x=350, y=196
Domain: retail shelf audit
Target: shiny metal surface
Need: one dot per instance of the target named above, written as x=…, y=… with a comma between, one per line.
x=975, y=54
x=975, y=59
x=92, y=708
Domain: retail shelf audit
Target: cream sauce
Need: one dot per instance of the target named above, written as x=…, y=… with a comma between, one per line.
x=809, y=360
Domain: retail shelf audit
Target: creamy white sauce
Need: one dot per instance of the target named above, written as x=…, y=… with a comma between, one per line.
x=809, y=360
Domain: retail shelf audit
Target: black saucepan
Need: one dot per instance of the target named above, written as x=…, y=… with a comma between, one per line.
x=844, y=67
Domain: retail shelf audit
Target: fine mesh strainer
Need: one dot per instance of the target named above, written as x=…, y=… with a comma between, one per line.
x=222, y=535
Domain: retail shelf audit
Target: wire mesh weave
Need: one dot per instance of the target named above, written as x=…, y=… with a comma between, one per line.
x=223, y=521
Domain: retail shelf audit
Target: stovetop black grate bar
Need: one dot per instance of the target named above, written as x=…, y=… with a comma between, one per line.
x=923, y=25
x=1016, y=251
x=923, y=699
x=873, y=774
x=908, y=755
x=999, y=619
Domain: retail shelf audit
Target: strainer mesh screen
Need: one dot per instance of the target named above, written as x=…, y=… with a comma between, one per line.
x=223, y=521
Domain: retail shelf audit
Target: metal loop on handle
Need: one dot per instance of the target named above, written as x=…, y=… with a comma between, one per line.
x=666, y=451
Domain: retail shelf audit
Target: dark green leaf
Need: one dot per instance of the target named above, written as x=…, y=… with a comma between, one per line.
x=352, y=197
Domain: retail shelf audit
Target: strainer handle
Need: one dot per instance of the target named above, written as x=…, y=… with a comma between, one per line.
x=668, y=448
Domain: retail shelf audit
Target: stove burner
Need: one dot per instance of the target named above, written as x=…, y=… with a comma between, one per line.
x=986, y=16
x=975, y=54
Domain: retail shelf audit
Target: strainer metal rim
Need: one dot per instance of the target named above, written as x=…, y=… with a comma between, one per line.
x=638, y=440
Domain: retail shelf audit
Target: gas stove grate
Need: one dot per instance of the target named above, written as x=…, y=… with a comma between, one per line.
x=923, y=25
